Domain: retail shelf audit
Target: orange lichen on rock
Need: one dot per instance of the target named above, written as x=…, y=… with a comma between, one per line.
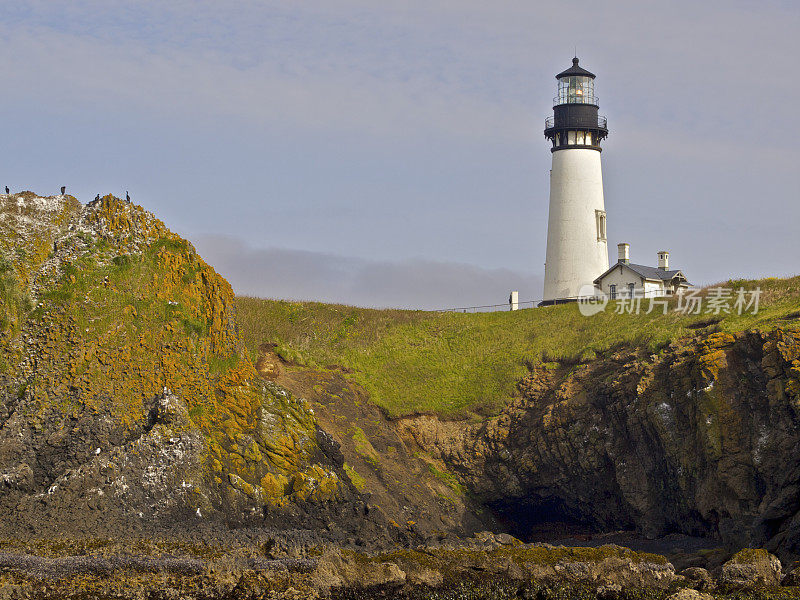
x=126, y=313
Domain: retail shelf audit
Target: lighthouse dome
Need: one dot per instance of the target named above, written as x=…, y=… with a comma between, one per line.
x=575, y=70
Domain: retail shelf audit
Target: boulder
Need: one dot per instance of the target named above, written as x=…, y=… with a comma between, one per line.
x=689, y=594
x=609, y=592
x=425, y=577
x=506, y=540
x=337, y=570
x=698, y=578
x=751, y=568
x=792, y=577
x=485, y=537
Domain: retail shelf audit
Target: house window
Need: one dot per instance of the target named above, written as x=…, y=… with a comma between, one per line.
x=631, y=290
x=600, y=216
x=612, y=289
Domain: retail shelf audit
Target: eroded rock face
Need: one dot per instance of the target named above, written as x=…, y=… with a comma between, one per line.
x=126, y=399
x=407, y=490
x=701, y=439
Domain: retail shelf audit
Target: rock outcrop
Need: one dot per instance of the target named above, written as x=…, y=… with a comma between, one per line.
x=128, y=406
x=128, y=401
x=154, y=570
x=701, y=439
x=749, y=569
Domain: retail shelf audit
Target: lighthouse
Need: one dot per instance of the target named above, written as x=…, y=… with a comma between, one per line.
x=577, y=249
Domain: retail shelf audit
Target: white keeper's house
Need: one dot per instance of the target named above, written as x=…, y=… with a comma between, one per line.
x=627, y=280
x=577, y=248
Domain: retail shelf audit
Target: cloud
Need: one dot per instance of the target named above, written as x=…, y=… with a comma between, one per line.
x=416, y=283
x=394, y=129
x=285, y=80
x=467, y=68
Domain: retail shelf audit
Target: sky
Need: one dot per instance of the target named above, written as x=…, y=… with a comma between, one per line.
x=392, y=153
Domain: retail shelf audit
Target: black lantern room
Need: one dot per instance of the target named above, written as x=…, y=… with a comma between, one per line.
x=575, y=122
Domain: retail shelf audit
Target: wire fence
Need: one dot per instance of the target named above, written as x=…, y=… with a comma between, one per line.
x=617, y=295
x=492, y=307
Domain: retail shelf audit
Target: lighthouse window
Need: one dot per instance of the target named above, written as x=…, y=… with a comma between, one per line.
x=588, y=138
x=576, y=90
x=571, y=138
x=580, y=137
x=600, y=216
x=558, y=139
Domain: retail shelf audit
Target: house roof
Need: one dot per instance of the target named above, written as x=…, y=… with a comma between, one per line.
x=652, y=273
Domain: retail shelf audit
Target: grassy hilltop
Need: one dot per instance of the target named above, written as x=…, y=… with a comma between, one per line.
x=457, y=364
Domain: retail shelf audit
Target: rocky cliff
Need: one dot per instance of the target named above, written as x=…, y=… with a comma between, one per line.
x=700, y=439
x=127, y=400
x=135, y=426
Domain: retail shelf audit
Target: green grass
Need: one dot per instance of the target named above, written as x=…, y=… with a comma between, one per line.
x=222, y=364
x=448, y=479
x=357, y=480
x=110, y=286
x=364, y=447
x=457, y=364
x=14, y=303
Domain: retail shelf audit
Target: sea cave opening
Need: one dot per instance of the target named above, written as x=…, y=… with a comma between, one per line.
x=542, y=519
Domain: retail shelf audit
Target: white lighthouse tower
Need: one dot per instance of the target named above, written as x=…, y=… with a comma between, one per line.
x=577, y=250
